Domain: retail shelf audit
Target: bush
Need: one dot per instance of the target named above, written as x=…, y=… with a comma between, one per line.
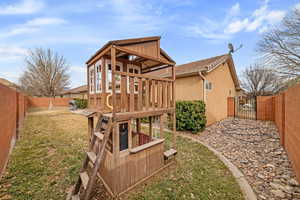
x=190, y=116
x=81, y=103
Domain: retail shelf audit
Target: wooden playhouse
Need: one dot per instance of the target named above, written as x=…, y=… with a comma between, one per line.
x=124, y=151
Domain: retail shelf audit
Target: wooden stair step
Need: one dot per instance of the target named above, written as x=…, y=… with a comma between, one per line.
x=84, y=178
x=99, y=135
x=169, y=153
x=75, y=197
x=92, y=156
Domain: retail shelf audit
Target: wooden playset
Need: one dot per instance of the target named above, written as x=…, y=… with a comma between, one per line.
x=122, y=94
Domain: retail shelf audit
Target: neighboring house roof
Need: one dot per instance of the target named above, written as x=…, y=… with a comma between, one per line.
x=205, y=66
x=77, y=90
x=8, y=84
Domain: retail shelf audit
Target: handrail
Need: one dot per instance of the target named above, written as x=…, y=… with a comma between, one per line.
x=146, y=146
x=143, y=76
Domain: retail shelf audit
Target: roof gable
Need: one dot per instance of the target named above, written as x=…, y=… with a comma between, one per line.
x=149, y=46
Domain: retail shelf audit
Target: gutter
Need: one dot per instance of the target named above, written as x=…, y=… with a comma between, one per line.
x=203, y=88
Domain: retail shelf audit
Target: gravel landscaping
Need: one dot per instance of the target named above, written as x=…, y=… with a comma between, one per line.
x=253, y=146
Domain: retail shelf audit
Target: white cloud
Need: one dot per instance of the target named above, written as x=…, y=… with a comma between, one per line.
x=297, y=6
x=10, y=54
x=31, y=26
x=10, y=50
x=22, y=7
x=236, y=26
x=260, y=20
x=275, y=16
x=45, y=21
x=235, y=9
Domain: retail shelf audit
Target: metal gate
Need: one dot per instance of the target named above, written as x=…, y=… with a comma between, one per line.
x=245, y=107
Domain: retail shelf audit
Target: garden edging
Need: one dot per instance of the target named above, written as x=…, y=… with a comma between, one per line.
x=238, y=175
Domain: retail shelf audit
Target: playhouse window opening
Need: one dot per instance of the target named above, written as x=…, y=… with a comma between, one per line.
x=123, y=133
x=98, y=78
x=92, y=79
x=119, y=68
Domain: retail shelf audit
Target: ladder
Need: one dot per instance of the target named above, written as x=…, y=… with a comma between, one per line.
x=95, y=155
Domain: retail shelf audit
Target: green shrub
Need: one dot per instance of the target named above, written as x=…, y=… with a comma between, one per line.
x=190, y=116
x=81, y=103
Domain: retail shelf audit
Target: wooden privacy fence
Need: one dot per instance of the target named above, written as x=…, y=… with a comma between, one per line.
x=45, y=102
x=13, y=106
x=284, y=110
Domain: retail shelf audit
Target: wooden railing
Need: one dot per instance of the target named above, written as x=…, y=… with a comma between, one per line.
x=140, y=92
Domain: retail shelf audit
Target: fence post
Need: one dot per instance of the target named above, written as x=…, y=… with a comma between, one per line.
x=282, y=139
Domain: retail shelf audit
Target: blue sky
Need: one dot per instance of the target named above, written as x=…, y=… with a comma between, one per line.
x=191, y=29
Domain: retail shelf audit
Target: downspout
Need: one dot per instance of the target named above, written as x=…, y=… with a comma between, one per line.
x=203, y=88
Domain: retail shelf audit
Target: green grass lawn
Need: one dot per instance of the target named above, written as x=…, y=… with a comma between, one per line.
x=47, y=159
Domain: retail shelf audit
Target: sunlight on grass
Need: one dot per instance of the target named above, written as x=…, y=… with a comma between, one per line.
x=47, y=159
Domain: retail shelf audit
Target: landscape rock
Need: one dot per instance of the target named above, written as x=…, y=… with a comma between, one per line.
x=254, y=147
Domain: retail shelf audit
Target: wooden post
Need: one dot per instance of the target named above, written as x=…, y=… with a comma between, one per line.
x=113, y=80
x=88, y=85
x=174, y=106
x=161, y=127
x=138, y=126
x=150, y=127
x=90, y=128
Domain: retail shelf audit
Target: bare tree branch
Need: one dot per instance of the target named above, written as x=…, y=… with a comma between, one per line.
x=280, y=47
x=46, y=73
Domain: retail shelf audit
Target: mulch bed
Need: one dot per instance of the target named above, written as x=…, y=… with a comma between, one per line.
x=253, y=146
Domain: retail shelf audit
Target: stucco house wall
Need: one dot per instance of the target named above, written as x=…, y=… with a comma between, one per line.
x=222, y=88
x=189, y=88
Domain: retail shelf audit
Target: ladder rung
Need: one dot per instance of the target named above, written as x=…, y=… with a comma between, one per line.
x=84, y=178
x=99, y=135
x=92, y=156
x=75, y=197
x=170, y=153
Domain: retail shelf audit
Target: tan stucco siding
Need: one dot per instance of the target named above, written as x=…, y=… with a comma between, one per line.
x=189, y=88
x=216, y=99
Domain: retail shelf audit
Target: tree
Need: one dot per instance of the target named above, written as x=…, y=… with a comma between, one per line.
x=280, y=47
x=260, y=81
x=46, y=73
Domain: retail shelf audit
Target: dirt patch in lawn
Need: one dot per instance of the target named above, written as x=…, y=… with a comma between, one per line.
x=47, y=159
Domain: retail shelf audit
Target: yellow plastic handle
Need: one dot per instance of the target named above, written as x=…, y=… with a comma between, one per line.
x=107, y=101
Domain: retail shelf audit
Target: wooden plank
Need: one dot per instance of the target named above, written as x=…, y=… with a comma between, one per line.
x=164, y=94
x=143, y=76
x=147, y=94
x=146, y=146
x=84, y=178
x=92, y=156
x=113, y=78
x=168, y=95
x=153, y=91
x=103, y=75
x=161, y=126
x=140, y=94
x=131, y=95
x=97, y=57
x=90, y=127
x=174, y=106
x=170, y=153
x=123, y=94
x=159, y=94
x=126, y=50
x=141, y=114
x=99, y=135
x=150, y=127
